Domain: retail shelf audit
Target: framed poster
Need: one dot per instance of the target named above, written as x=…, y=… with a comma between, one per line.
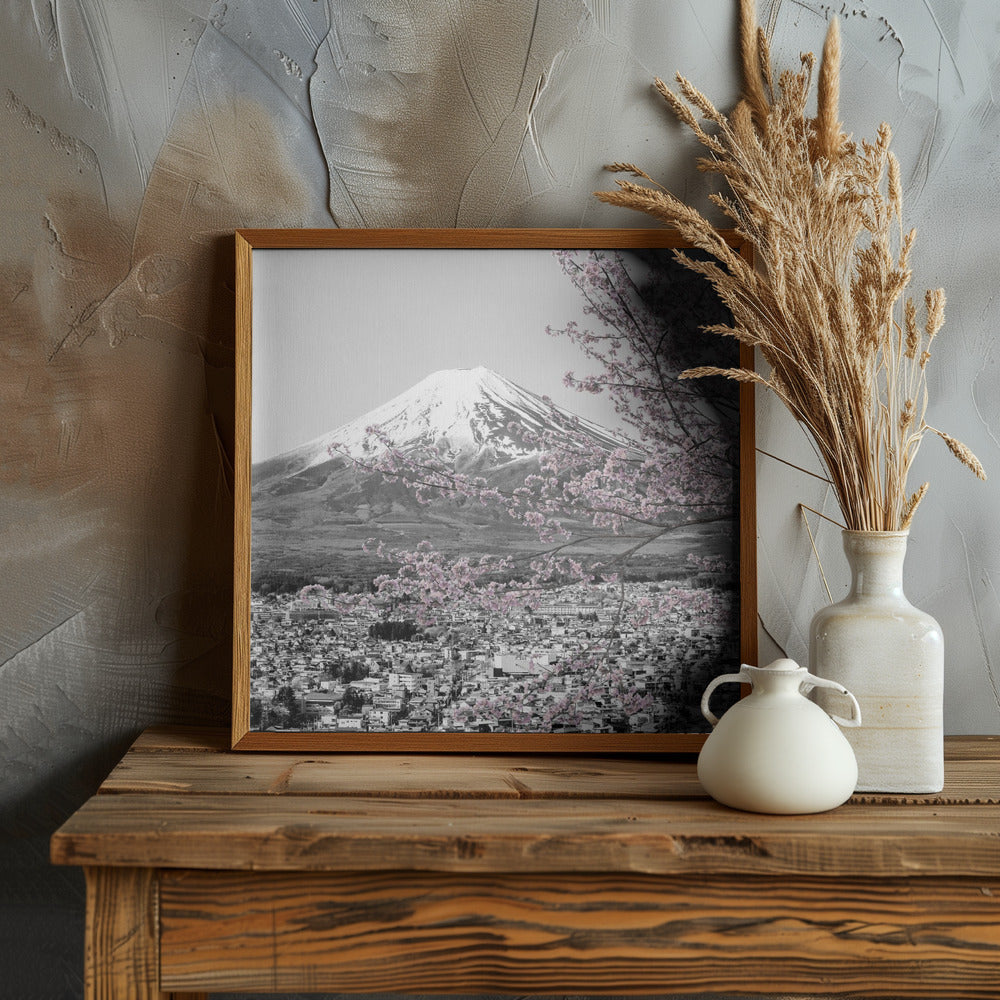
x=476, y=510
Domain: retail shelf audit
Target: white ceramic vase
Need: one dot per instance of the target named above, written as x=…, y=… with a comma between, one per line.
x=891, y=655
x=775, y=751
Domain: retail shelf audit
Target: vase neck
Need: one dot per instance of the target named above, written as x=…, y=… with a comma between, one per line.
x=780, y=677
x=876, y=561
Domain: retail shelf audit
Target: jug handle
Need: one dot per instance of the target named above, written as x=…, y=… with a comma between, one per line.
x=741, y=678
x=812, y=681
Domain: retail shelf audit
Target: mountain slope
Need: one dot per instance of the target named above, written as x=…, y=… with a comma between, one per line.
x=314, y=506
x=471, y=416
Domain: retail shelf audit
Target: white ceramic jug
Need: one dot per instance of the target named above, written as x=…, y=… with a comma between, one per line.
x=776, y=751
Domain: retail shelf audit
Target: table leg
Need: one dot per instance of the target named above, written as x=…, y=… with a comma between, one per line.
x=122, y=954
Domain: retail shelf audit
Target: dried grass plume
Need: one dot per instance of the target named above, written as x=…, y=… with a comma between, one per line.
x=824, y=302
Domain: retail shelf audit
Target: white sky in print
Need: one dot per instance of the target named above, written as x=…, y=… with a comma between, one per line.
x=339, y=331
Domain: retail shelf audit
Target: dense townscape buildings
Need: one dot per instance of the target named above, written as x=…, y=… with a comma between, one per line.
x=568, y=665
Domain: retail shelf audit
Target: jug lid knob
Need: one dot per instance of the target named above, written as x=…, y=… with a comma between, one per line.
x=782, y=663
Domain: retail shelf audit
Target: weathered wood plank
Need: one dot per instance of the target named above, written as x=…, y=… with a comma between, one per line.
x=530, y=874
x=594, y=744
x=968, y=779
x=439, y=776
x=972, y=748
x=121, y=957
x=121, y=953
x=590, y=934
x=431, y=776
x=217, y=740
x=243, y=315
x=694, y=836
x=198, y=739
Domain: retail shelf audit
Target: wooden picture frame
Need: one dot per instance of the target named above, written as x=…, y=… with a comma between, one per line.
x=329, y=318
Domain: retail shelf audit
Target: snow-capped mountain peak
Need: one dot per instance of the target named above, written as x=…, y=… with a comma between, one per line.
x=460, y=412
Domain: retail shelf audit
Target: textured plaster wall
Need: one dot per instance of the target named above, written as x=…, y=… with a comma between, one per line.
x=136, y=136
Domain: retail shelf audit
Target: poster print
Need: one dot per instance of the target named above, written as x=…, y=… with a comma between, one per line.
x=484, y=512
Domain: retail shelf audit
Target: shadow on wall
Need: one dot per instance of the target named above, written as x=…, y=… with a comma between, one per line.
x=42, y=906
x=195, y=613
x=94, y=527
x=116, y=510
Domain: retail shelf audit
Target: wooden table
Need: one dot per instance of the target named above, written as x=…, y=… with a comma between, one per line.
x=208, y=870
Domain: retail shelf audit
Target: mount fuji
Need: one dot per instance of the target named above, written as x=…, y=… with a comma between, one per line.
x=473, y=418
x=314, y=506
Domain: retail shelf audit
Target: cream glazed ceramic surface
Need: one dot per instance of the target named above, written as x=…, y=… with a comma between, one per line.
x=775, y=751
x=891, y=655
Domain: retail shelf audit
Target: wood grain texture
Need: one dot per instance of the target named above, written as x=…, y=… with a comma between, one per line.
x=542, y=239
x=178, y=799
x=444, y=776
x=400, y=776
x=187, y=739
x=433, y=874
x=963, y=784
x=468, y=743
x=972, y=748
x=285, y=832
x=247, y=240
x=241, y=492
x=590, y=934
x=121, y=953
x=204, y=739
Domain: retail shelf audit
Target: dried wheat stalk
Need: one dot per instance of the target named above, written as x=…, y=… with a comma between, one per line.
x=824, y=217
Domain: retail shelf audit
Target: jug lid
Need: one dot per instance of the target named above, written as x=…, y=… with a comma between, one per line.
x=782, y=665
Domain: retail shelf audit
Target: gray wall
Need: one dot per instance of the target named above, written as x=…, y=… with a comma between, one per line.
x=137, y=135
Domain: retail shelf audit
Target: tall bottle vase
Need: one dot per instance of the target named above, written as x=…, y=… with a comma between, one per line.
x=891, y=656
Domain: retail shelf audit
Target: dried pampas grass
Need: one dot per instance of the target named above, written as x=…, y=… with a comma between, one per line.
x=824, y=217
